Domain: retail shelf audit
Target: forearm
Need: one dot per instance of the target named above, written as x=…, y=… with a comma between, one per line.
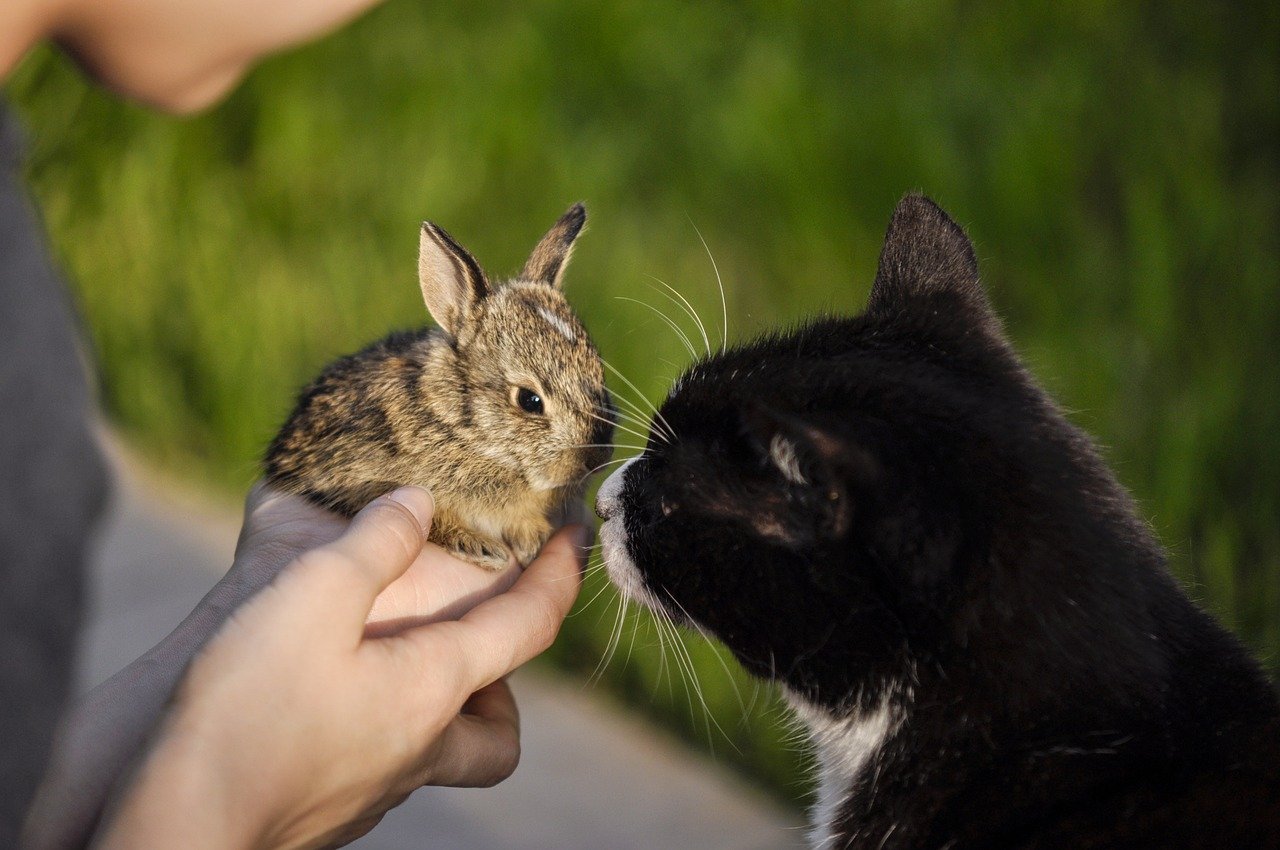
x=109, y=727
x=176, y=800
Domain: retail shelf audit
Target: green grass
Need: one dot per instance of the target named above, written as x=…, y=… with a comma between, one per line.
x=1115, y=162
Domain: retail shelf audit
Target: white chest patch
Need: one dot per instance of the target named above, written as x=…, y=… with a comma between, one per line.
x=844, y=746
x=558, y=323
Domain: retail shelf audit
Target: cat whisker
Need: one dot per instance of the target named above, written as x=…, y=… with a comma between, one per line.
x=636, y=410
x=604, y=588
x=711, y=642
x=615, y=633
x=708, y=717
x=684, y=338
x=618, y=425
x=607, y=446
x=755, y=698
x=625, y=415
x=724, y=304
x=665, y=624
x=635, y=627
x=655, y=427
x=644, y=415
x=589, y=572
x=662, y=660
x=688, y=308
x=599, y=467
x=657, y=413
x=623, y=610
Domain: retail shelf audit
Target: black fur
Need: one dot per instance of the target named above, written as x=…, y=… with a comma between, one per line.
x=948, y=545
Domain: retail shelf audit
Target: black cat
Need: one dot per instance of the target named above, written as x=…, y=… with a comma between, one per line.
x=886, y=516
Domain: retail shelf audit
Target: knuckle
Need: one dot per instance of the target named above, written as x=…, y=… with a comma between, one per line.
x=505, y=761
x=319, y=562
x=442, y=673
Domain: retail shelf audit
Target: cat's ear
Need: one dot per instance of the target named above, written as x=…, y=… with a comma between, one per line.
x=451, y=279
x=810, y=460
x=551, y=255
x=928, y=263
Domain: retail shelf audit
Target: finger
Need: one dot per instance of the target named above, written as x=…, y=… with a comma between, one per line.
x=504, y=632
x=437, y=586
x=346, y=575
x=481, y=746
x=495, y=703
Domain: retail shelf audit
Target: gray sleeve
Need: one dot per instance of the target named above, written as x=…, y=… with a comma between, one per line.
x=52, y=489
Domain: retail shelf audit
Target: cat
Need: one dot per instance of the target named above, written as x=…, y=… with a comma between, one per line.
x=887, y=517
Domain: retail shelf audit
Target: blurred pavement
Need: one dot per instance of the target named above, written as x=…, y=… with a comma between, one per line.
x=590, y=778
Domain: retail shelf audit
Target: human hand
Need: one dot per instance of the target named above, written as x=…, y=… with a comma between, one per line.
x=278, y=527
x=295, y=728
x=107, y=728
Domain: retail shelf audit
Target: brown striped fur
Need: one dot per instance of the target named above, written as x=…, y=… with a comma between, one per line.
x=438, y=407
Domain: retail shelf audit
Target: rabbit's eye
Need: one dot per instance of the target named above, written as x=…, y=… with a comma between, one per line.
x=529, y=401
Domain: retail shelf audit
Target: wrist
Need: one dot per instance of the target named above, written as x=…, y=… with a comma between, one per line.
x=247, y=576
x=182, y=795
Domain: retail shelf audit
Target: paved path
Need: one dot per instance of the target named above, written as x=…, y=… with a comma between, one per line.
x=590, y=777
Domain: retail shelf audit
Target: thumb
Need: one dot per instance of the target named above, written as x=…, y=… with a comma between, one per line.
x=345, y=576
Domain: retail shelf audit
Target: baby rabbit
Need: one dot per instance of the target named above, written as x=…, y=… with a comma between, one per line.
x=501, y=412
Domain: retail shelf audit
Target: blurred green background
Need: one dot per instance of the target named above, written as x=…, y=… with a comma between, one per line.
x=1115, y=162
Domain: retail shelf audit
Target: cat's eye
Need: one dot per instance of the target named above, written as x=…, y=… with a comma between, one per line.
x=529, y=401
x=667, y=507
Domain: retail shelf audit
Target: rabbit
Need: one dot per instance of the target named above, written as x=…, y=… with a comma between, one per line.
x=501, y=411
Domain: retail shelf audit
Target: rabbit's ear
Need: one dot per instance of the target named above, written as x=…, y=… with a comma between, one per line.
x=451, y=279
x=547, y=262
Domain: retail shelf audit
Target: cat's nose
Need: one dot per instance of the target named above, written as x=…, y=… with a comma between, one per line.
x=603, y=510
x=609, y=496
x=605, y=506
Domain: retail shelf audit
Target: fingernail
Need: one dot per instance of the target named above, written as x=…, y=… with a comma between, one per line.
x=419, y=503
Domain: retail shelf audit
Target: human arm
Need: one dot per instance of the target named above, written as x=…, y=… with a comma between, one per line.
x=294, y=728
x=106, y=729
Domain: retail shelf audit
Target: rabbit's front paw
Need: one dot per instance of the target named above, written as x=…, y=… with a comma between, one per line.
x=526, y=545
x=481, y=551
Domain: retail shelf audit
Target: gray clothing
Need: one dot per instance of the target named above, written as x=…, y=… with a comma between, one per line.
x=52, y=489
